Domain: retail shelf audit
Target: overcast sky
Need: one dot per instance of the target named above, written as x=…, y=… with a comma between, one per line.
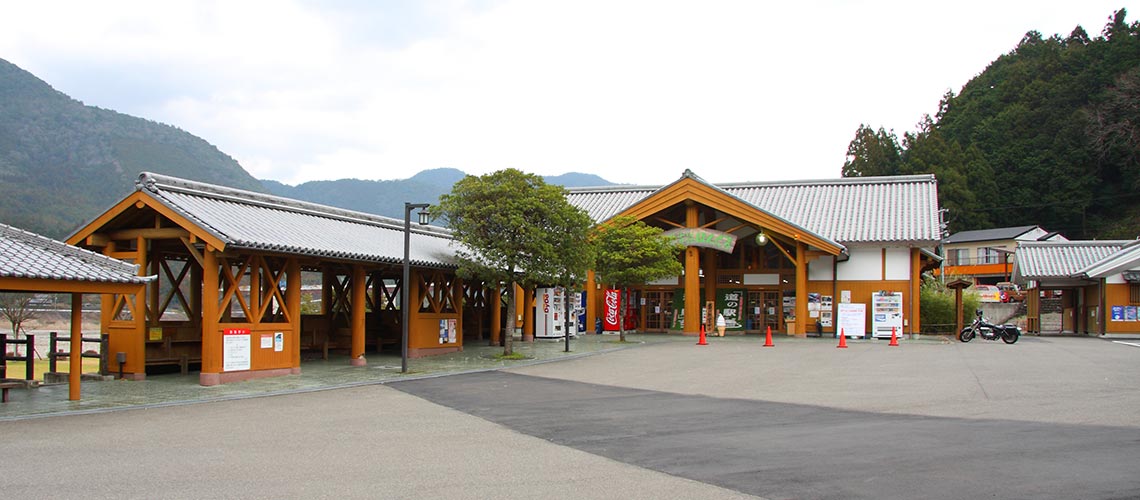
x=633, y=91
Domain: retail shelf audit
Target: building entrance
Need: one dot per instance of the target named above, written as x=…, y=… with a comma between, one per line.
x=763, y=310
x=658, y=310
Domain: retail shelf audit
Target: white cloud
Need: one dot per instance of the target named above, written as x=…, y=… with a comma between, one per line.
x=632, y=91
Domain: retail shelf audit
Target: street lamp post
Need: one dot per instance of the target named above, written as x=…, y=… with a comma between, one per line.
x=405, y=284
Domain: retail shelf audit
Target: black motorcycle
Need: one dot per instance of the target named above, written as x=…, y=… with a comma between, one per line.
x=988, y=331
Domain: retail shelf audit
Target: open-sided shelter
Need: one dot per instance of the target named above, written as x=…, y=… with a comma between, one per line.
x=231, y=265
x=33, y=263
x=825, y=242
x=1099, y=283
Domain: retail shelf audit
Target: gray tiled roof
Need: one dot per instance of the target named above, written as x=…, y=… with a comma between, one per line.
x=1127, y=258
x=995, y=234
x=28, y=255
x=898, y=209
x=1042, y=260
x=255, y=221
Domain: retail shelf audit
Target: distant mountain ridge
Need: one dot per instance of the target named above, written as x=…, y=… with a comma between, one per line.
x=62, y=163
x=388, y=197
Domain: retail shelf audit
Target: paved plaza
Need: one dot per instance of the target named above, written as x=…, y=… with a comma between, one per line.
x=1048, y=417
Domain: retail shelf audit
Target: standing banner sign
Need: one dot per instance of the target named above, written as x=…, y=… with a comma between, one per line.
x=852, y=319
x=613, y=303
x=235, y=349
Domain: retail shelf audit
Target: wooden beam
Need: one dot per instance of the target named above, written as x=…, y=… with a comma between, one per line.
x=189, y=243
x=97, y=240
x=149, y=233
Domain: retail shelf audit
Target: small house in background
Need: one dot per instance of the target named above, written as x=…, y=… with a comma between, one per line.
x=987, y=256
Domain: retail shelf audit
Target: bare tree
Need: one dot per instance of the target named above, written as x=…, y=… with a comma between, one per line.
x=17, y=309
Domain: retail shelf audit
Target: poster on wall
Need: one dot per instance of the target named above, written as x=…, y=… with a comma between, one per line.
x=452, y=331
x=730, y=304
x=278, y=341
x=853, y=319
x=1129, y=313
x=825, y=319
x=1117, y=313
x=235, y=349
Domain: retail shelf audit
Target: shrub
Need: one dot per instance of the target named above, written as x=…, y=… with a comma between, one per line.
x=938, y=308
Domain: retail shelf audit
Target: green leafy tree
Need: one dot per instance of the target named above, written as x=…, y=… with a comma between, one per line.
x=512, y=228
x=872, y=153
x=631, y=253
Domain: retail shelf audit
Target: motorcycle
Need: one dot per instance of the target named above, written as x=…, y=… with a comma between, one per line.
x=989, y=331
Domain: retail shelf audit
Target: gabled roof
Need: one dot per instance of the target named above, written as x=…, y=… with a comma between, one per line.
x=28, y=255
x=240, y=219
x=1049, y=260
x=892, y=209
x=1128, y=257
x=994, y=234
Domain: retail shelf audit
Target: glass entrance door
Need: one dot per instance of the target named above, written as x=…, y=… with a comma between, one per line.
x=763, y=310
x=658, y=310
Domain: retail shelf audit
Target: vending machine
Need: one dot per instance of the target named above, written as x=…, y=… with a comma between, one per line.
x=549, y=313
x=886, y=314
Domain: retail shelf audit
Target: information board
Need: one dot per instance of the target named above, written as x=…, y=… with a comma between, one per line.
x=853, y=319
x=235, y=349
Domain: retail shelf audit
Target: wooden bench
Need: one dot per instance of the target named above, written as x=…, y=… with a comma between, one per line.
x=5, y=385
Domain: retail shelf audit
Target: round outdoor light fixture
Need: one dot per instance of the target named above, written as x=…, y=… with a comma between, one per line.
x=761, y=238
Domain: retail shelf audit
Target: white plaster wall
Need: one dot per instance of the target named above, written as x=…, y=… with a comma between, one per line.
x=865, y=264
x=820, y=269
x=898, y=264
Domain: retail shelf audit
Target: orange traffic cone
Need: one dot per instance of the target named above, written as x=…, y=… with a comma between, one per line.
x=894, y=339
x=702, y=340
x=768, y=338
x=842, y=340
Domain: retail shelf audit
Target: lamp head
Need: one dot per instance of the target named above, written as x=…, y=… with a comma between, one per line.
x=761, y=238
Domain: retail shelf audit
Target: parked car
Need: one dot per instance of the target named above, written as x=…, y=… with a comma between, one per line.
x=1010, y=292
x=988, y=293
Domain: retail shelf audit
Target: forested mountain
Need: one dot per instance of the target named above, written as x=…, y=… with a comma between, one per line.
x=62, y=163
x=388, y=197
x=1048, y=134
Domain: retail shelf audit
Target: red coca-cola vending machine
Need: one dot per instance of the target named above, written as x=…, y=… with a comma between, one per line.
x=610, y=313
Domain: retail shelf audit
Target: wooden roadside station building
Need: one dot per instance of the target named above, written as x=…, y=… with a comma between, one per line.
x=230, y=266
x=825, y=243
x=1099, y=283
x=33, y=263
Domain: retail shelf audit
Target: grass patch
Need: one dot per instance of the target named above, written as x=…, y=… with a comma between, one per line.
x=16, y=368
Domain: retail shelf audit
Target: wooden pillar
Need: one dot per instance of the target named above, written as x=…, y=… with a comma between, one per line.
x=528, y=315
x=75, y=358
x=211, y=334
x=254, y=289
x=1101, y=309
x=107, y=300
x=359, y=282
x=692, y=276
x=958, y=306
x=710, y=280
x=591, y=300
x=801, y=290
x=293, y=304
x=496, y=305
x=915, y=290
x=138, y=347
x=195, y=312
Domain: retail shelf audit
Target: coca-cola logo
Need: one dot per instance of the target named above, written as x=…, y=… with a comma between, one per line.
x=611, y=307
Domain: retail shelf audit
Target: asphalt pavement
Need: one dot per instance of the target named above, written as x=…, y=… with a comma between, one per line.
x=1043, y=418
